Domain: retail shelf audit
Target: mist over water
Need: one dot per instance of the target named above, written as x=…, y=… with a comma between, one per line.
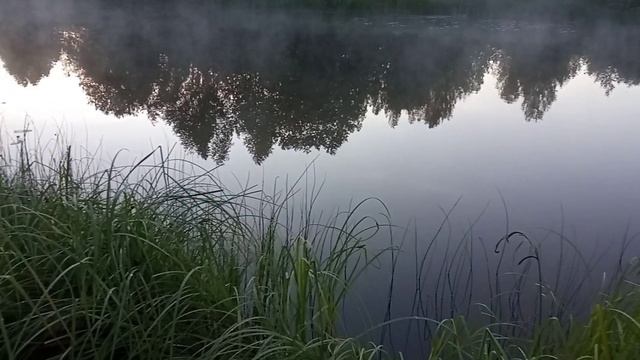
x=418, y=111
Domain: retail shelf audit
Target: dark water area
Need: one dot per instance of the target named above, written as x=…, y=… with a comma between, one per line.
x=421, y=112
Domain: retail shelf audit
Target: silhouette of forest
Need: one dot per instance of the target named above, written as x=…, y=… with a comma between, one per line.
x=306, y=82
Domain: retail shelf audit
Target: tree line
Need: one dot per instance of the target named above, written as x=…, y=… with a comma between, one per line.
x=302, y=85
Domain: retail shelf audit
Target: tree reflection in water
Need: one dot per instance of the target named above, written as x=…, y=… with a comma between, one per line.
x=303, y=84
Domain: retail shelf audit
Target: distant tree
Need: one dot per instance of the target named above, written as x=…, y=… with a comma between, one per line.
x=304, y=85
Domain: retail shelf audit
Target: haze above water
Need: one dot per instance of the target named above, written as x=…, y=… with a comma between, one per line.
x=418, y=111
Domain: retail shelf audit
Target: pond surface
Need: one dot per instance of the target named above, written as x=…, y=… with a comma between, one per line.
x=418, y=111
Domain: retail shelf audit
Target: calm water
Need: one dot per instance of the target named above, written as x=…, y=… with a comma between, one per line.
x=417, y=111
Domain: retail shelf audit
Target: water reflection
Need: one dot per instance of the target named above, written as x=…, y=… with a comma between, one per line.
x=305, y=83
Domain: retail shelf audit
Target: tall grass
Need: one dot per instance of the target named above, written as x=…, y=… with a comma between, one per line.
x=611, y=332
x=159, y=260
x=149, y=262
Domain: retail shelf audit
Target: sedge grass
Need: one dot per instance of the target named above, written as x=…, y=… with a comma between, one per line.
x=152, y=262
x=168, y=266
x=611, y=332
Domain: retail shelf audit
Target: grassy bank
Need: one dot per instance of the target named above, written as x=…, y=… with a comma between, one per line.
x=154, y=262
x=166, y=266
x=611, y=332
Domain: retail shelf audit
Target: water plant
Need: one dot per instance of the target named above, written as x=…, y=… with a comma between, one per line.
x=160, y=260
x=97, y=265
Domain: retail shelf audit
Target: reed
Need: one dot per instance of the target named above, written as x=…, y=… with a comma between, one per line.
x=159, y=260
x=97, y=265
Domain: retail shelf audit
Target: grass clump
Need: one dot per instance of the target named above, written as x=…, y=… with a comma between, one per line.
x=611, y=332
x=154, y=262
x=169, y=266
